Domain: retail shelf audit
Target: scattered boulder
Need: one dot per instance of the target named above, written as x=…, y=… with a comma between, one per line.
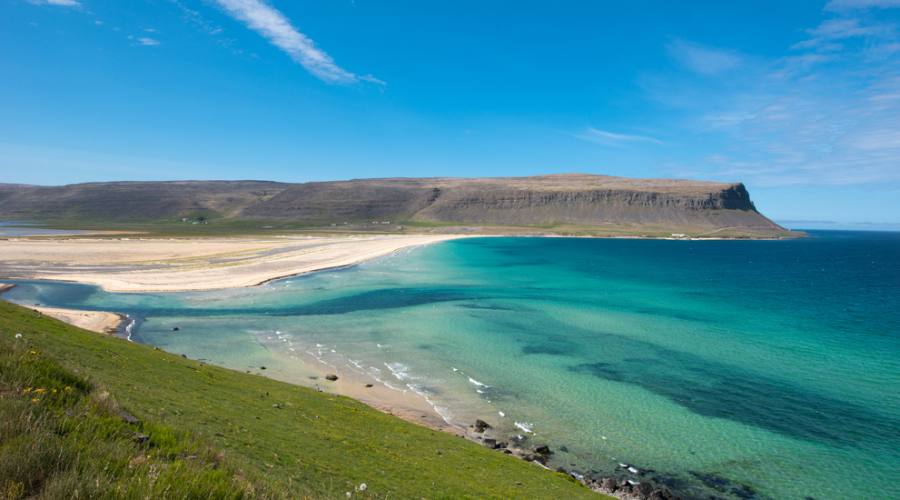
x=369, y=386
x=563, y=449
x=331, y=377
x=609, y=484
x=175, y=328
x=543, y=450
x=481, y=425
x=644, y=489
x=662, y=494
x=262, y=367
x=490, y=442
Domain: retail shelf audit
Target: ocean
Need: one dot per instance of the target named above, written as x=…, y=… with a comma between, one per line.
x=743, y=369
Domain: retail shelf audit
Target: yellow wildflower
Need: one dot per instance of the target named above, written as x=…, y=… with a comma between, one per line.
x=40, y=390
x=35, y=400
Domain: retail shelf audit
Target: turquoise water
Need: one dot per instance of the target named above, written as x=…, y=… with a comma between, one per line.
x=736, y=368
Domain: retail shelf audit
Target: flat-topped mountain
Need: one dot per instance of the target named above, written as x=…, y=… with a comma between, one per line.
x=568, y=203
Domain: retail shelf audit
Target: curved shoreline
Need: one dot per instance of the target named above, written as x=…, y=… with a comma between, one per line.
x=185, y=265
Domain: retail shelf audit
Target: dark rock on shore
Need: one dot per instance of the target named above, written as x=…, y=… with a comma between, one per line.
x=331, y=377
x=543, y=450
x=481, y=425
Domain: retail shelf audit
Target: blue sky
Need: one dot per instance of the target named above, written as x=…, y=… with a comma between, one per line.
x=800, y=100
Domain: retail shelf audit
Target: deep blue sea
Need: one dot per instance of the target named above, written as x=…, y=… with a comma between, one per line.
x=767, y=369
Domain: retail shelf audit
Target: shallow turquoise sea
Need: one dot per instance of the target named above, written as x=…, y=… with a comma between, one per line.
x=744, y=369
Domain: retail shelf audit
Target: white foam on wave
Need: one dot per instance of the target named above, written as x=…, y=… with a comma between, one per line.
x=129, y=327
x=475, y=382
x=525, y=427
x=399, y=371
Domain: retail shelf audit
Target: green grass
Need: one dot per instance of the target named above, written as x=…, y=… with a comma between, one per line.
x=214, y=432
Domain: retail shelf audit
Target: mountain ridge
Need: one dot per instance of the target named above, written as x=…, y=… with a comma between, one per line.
x=584, y=201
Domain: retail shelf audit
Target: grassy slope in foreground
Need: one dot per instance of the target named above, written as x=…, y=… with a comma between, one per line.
x=260, y=436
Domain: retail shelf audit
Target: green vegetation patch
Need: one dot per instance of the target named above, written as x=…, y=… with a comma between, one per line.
x=207, y=431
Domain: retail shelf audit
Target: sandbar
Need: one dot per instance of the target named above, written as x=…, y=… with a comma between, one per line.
x=134, y=264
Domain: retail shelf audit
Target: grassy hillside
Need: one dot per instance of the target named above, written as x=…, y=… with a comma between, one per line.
x=209, y=431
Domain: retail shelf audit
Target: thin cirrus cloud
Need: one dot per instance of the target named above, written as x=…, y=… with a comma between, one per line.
x=824, y=112
x=703, y=59
x=61, y=3
x=278, y=30
x=591, y=134
x=843, y=5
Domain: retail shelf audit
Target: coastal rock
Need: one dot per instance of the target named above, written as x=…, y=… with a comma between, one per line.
x=543, y=450
x=175, y=328
x=644, y=489
x=490, y=443
x=662, y=494
x=609, y=484
x=369, y=386
x=331, y=377
x=481, y=425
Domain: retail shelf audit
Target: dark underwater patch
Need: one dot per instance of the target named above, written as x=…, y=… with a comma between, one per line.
x=721, y=391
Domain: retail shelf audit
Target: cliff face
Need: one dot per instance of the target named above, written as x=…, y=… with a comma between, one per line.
x=555, y=200
x=534, y=205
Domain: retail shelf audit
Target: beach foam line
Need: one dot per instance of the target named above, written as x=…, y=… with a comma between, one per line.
x=479, y=384
x=525, y=427
x=129, y=328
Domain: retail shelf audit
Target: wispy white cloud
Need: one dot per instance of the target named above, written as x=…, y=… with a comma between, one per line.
x=147, y=41
x=598, y=136
x=827, y=35
x=61, y=3
x=824, y=113
x=278, y=30
x=844, y=5
x=703, y=59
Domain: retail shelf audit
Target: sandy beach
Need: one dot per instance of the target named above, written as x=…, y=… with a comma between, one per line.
x=182, y=264
x=95, y=321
